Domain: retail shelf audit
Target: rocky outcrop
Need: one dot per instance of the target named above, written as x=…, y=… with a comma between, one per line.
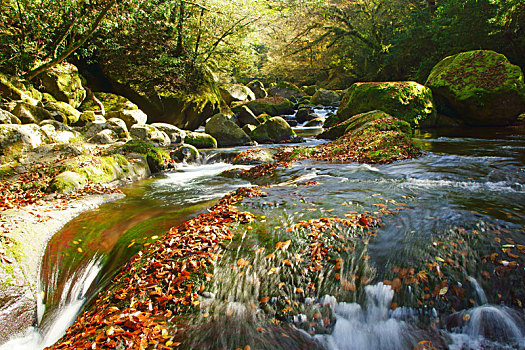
x=226, y=132
x=64, y=84
x=150, y=134
x=405, y=100
x=12, y=88
x=273, y=130
x=325, y=98
x=480, y=88
x=286, y=90
x=59, y=132
x=16, y=139
x=235, y=93
x=274, y=106
x=258, y=89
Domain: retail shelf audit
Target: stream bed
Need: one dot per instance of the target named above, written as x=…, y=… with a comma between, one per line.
x=442, y=218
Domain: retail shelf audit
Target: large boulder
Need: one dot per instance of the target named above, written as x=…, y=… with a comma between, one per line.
x=110, y=101
x=30, y=114
x=59, y=132
x=274, y=106
x=405, y=100
x=200, y=140
x=8, y=118
x=226, y=132
x=175, y=134
x=258, y=89
x=93, y=128
x=286, y=90
x=16, y=139
x=273, y=130
x=64, y=112
x=325, y=98
x=150, y=134
x=236, y=92
x=130, y=117
x=246, y=117
x=89, y=117
x=64, y=84
x=478, y=87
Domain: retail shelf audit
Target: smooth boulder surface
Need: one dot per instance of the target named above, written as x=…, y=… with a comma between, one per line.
x=91, y=129
x=16, y=139
x=130, y=117
x=273, y=130
x=325, y=98
x=246, y=117
x=274, y=106
x=481, y=88
x=226, y=132
x=111, y=102
x=64, y=111
x=150, y=134
x=286, y=90
x=175, y=134
x=64, y=84
x=405, y=100
x=258, y=89
x=200, y=140
x=30, y=114
x=236, y=92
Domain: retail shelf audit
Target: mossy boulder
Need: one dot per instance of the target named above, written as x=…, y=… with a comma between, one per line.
x=258, y=89
x=67, y=113
x=273, y=130
x=17, y=139
x=91, y=129
x=325, y=98
x=248, y=128
x=479, y=87
x=150, y=134
x=105, y=137
x=286, y=90
x=8, y=118
x=405, y=100
x=310, y=90
x=59, y=132
x=200, y=140
x=263, y=117
x=316, y=122
x=67, y=182
x=64, y=84
x=236, y=92
x=185, y=153
x=111, y=102
x=356, y=122
x=246, y=116
x=274, y=106
x=226, y=132
x=89, y=117
x=30, y=114
x=12, y=88
x=130, y=117
x=156, y=157
x=255, y=156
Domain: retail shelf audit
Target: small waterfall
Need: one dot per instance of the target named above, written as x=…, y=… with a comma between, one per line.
x=371, y=328
x=479, y=290
x=54, y=324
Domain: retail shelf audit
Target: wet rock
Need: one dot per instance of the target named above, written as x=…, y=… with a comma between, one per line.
x=246, y=116
x=479, y=87
x=226, y=132
x=64, y=84
x=185, y=153
x=286, y=90
x=273, y=130
x=316, y=122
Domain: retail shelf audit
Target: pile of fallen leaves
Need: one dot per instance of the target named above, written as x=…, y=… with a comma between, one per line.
x=158, y=285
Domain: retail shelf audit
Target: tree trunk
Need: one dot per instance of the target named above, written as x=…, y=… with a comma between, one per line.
x=44, y=67
x=180, y=27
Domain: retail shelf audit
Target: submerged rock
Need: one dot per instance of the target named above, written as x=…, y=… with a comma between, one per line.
x=478, y=87
x=273, y=130
x=226, y=132
x=405, y=100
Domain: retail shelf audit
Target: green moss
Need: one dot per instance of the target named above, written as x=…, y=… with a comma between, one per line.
x=156, y=157
x=275, y=129
x=274, y=106
x=200, y=140
x=299, y=153
x=110, y=101
x=408, y=101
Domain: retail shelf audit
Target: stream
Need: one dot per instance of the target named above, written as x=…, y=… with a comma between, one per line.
x=465, y=194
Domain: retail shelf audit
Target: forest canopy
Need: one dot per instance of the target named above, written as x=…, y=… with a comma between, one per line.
x=172, y=43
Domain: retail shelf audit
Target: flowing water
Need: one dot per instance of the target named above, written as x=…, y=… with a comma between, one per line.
x=463, y=200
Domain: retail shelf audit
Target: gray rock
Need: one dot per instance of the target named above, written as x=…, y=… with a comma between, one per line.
x=150, y=134
x=185, y=153
x=175, y=134
x=91, y=129
x=325, y=98
x=8, y=118
x=236, y=92
x=246, y=116
x=200, y=140
x=129, y=116
x=105, y=137
x=89, y=117
x=30, y=114
x=16, y=139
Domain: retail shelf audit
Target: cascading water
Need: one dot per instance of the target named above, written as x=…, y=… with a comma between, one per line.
x=53, y=326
